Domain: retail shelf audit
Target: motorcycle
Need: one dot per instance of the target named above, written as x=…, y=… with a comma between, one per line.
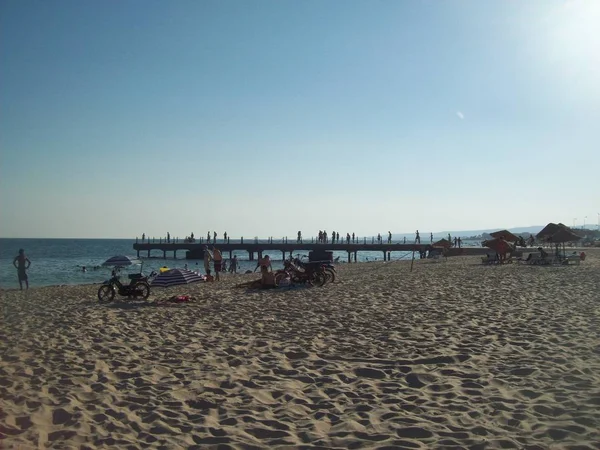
x=138, y=287
x=327, y=267
x=299, y=272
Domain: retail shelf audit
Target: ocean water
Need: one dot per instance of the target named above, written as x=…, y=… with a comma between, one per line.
x=60, y=261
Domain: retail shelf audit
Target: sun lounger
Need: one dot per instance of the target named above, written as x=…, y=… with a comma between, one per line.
x=573, y=259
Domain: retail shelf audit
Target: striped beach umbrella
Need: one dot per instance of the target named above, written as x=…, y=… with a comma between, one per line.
x=176, y=277
x=121, y=261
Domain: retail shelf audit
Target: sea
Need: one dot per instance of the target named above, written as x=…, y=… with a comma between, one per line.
x=61, y=261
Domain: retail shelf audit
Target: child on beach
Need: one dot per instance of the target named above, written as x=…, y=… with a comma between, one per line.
x=22, y=263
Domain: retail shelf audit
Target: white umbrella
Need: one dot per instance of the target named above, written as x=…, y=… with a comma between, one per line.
x=121, y=261
x=176, y=277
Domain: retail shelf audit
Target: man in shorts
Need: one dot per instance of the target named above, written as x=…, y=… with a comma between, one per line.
x=218, y=259
x=22, y=263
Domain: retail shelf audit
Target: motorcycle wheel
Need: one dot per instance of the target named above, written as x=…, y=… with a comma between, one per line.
x=141, y=289
x=106, y=294
x=330, y=274
x=318, y=279
x=279, y=276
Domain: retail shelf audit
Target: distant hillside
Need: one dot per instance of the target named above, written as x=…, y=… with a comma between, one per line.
x=466, y=233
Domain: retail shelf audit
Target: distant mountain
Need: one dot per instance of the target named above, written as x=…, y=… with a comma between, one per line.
x=467, y=233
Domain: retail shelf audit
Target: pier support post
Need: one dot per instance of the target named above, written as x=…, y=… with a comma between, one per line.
x=283, y=251
x=174, y=254
x=260, y=254
x=164, y=254
x=230, y=254
x=355, y=252
x=384, y=255
x=148, y=253
x=138, y=254
x=349, y=257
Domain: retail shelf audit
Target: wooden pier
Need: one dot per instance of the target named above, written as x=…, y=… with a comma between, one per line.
x=196, y=250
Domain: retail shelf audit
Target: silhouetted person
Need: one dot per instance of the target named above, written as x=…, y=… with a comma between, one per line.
x=417, y=238
x=225, y=237
x=431, y=237
x=389, y=237
x=353, y=238
x=143, y=236
x=208, y=237
x=299, y=239
x=168, y=237
x=22, y=263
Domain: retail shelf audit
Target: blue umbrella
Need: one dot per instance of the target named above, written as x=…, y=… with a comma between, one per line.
x=176, y=277
x=122, y=261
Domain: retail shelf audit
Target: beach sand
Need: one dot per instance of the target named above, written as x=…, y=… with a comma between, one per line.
x=454, y=354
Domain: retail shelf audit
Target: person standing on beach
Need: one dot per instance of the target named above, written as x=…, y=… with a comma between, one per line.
x=233, y=264
x=207, y=259
x=22, y=263
x=218, y=260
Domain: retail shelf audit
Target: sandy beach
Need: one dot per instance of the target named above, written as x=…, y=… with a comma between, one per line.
x=452, y=355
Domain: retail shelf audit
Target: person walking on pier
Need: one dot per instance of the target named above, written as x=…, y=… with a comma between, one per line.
x=417, y=238
x=168, y=237
x=214, y=237
x=431, y=237
x=389, y=237
x=225, y=238
x=208, y=237
x=353, y=238
x=325, y=236
x=299, y=239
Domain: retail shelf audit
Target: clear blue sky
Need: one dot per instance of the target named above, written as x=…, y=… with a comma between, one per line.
x=265, y=117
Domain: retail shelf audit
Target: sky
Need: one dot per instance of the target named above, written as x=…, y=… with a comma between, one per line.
x=266, y=117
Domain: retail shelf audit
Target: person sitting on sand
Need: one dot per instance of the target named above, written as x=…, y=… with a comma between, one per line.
x=543, y=253
x=22, y=263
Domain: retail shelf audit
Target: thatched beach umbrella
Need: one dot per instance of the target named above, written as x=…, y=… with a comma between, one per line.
x=549, y=230
x=443, y=243
x=507, y=235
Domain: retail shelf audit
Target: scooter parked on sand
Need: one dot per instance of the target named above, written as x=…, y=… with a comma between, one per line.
x=138, y=287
